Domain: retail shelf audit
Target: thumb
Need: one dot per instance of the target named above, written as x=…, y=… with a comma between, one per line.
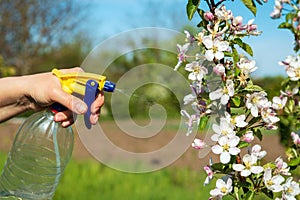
x=69, y=101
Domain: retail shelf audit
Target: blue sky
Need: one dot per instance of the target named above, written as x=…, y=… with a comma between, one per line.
x=110, y=17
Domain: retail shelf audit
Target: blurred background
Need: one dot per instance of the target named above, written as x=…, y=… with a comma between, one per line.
x=37, y=36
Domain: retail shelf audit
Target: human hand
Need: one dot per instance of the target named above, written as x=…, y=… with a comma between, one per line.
x=45, y=89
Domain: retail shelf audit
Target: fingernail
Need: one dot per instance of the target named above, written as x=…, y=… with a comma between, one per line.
x=80, y=107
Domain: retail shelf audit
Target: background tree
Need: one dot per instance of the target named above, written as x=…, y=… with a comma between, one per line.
x=30, y=29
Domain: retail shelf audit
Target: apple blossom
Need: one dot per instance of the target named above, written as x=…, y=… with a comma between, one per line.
x=182, y=54
x=222, y=188
x=290, y=189
x=246, y=66
x=223, y=93
x=209, y=173
x=269, y=115
x=215, y=48
x=224, y=129
x=281, y=167
x=256, y=151
x=198, y=72
x=273, y=182
x=236, y=121
x=223, y=14
x=256, y=101
x=192, y=120
x=249, y=166
x=279, y=103
x=226, y=147
x=219, y=69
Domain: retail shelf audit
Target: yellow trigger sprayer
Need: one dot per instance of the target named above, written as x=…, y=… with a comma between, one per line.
x=85, y=84
x=42, y=147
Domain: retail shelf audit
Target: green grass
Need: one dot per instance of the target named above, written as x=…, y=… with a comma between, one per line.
x=91, y=180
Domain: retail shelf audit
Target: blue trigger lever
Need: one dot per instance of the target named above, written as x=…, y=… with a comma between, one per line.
x=91, y=91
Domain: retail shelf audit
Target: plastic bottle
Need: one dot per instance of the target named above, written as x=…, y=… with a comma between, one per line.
x=39, y=155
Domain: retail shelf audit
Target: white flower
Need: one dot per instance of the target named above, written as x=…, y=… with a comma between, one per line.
x=273, y=183
x=238, y=121
x=223, y=93
x=192, y=120
x=255, y=101
x=198, y=144
x=279, y=103
x=226, y=148
x=292, y=67
x=224, y=129
x=224, y=14
x=181, y=54
x=269, y=116
x=246, y=66
x=198, y=72
x=282, y=167
x=222, y=188
x=219, y=69
x=249, y=166
x=290, y=93
x=215, y=48
x=209, y=173
x=187, y=99
x=290, y=189
x=256, y=151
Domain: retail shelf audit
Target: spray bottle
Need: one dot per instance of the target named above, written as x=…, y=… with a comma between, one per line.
x=42, y=147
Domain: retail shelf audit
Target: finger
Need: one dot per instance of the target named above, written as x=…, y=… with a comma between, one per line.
x=72, y=103
x=63, y=116
x=97, y=104
x=67, y=123
x=94, y=117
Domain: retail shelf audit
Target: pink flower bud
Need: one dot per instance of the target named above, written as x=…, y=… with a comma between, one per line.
x=198, y=144
x=208, y=16
x=295, y=138
x=248, y=137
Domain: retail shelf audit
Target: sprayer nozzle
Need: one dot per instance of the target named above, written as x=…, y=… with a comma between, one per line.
x=109, y=86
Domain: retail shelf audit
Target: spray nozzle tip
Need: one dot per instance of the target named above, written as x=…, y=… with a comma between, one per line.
x=109, y=86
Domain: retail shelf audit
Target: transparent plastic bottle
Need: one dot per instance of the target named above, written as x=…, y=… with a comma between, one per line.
x=37, y=159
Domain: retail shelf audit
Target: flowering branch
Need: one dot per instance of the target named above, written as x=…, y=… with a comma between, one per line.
x=222, y=89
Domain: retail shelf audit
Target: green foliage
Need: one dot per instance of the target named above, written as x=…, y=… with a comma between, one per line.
x=250, y=4
x=191, y=8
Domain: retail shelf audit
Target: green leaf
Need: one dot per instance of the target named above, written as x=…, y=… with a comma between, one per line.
x=218, y=166
x=235, y=55
x=253, y=88
x=243, y=144
x=286, y=25
x=191, y=8
x=250, y=195
x=268, y=193
x=203, y=122
x=250, y=5
x=236, y=100
x=246, y=47
x=258, y=133
x=295, y=162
